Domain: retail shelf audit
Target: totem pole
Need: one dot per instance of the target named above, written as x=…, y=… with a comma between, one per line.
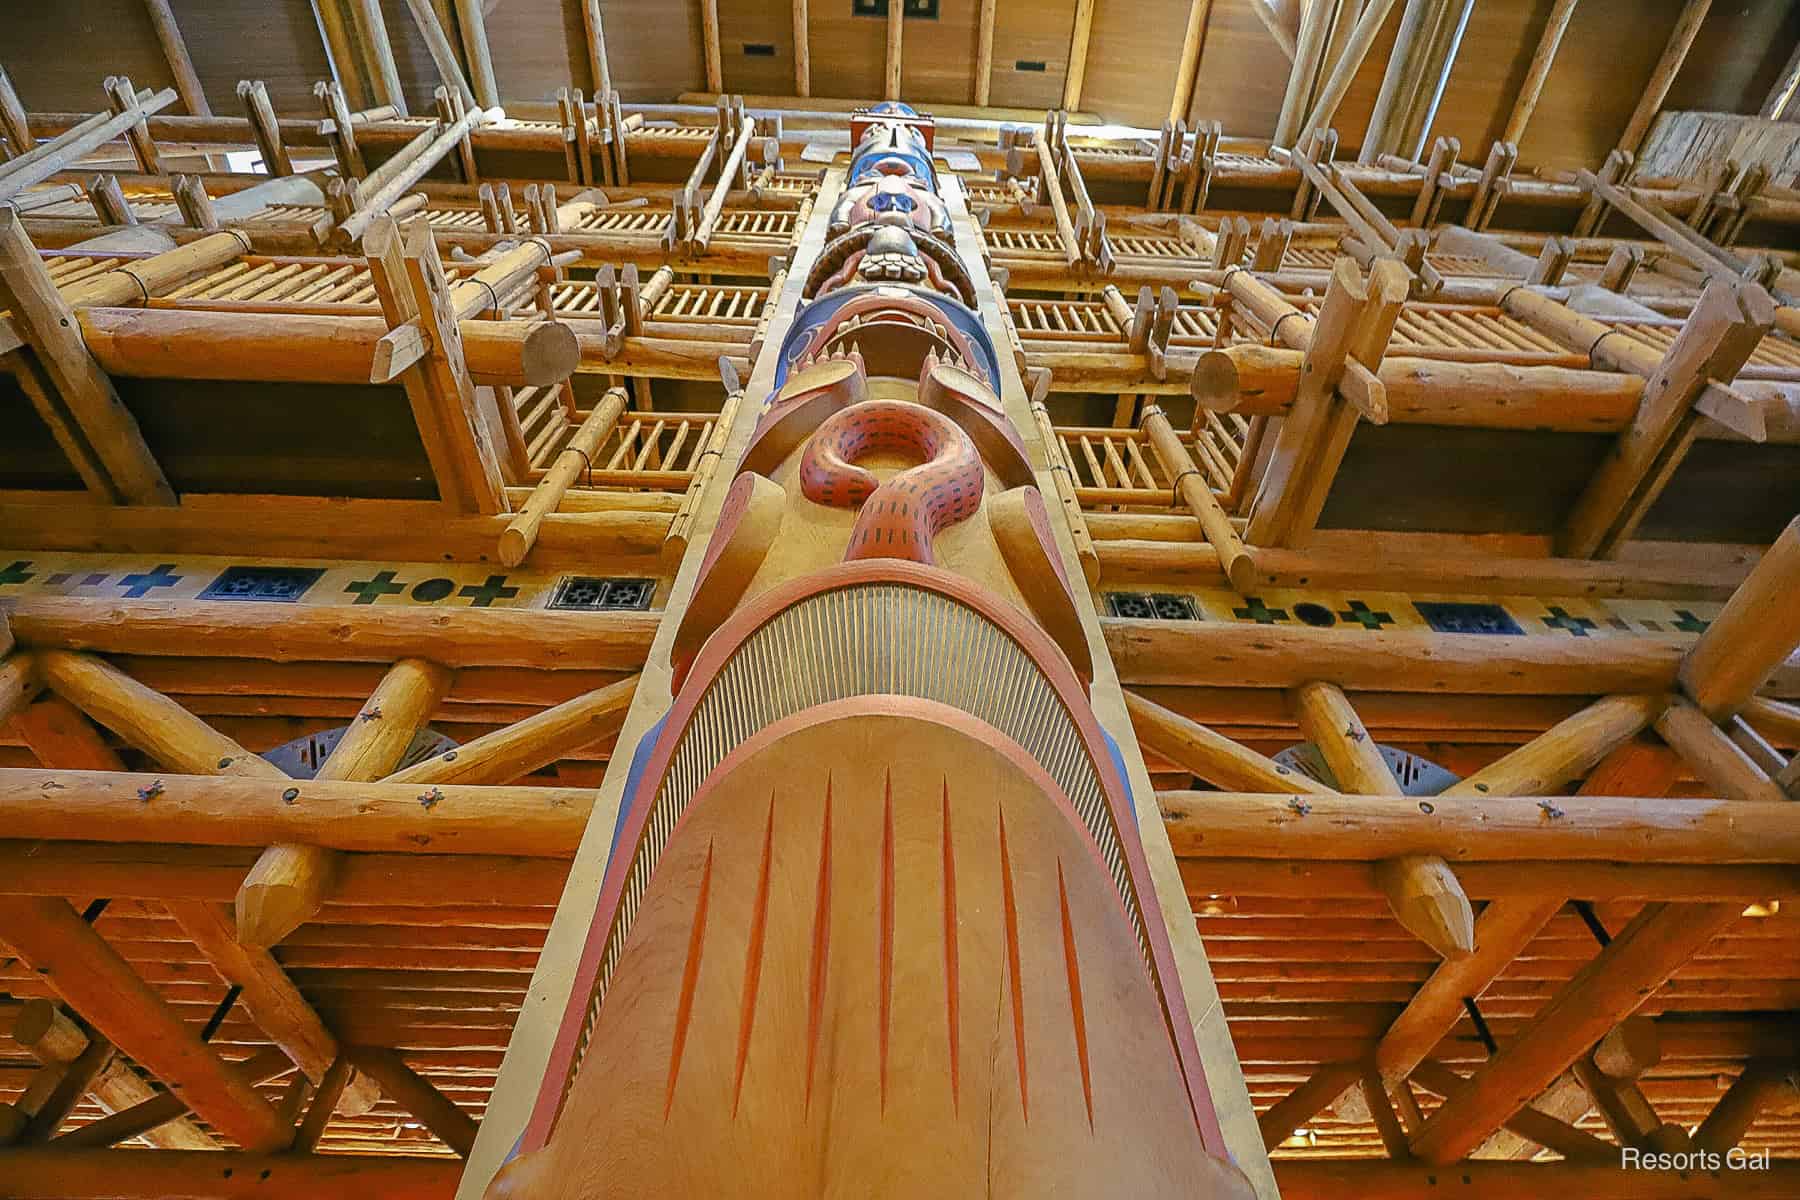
x=877, y=920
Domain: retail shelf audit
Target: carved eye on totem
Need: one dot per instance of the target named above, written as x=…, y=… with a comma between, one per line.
x=891, y=202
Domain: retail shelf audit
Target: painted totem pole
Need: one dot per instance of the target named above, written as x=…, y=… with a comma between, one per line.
x=872, y=921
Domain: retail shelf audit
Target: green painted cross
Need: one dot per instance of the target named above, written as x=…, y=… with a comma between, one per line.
x=368, y=591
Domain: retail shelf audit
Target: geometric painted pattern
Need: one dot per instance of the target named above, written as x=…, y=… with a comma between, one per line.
x=477, y=585
x=289, y=581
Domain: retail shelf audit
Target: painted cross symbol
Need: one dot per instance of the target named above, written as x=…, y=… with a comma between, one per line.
x=368, y=591
x=1689, y=623
x=1575, y=626
x=1259, y=612
x=139, y=584
x=16, y=572
x=494, y=589
x=1361, y=614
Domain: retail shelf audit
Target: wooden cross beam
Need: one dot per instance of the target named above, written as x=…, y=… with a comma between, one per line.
x=122, y=97
x=291, y=881
x=612, y=641
x=896, y=24
x=1421, y=889
x=1349, y=61
x=56, y=1041
x=1609, y=988
x=458, y=439
x=1079, y=39
x=73, y=395
x=471, y=23
x=254, y=95
x=1712, y=260
x=15, y=126
x=1541, y=60
x=113, y=1174
x=443, y=54
x=1723, y=331
x=62, y=152
x=412, y=1092
x=91, y=977
x=388, y=816
x=1193, y=40
x=1275, y=514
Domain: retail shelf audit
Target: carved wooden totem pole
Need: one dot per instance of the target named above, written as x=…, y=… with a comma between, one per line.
x=877, y=920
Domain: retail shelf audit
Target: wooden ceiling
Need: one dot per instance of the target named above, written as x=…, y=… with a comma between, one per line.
x=656, y=53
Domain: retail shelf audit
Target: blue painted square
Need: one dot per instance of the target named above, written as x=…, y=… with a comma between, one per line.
x=1455, y=617
x=280, y=585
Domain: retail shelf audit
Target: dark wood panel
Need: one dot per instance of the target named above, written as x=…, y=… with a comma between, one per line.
x=279, y=44
x=538, y=46
x=114, y=37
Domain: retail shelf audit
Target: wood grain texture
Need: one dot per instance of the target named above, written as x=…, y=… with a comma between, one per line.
x=748, y=948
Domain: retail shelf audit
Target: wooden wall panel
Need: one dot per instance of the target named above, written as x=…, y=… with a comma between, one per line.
x=848, y=53
x=764, y=22
x=1135, y=52
x=1497, y=49
x=538, y=46
x=1739, y=54
x=938, y=60
x=57, y=54
x=1034, y=31
x=1243, y=73
x=279, y=44
x=1607, y=55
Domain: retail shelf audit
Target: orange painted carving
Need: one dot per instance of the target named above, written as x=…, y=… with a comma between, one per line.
x=900, y=517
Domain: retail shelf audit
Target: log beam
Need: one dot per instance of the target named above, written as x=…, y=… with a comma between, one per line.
x=802, y=50
x=1212, y=756
x=443, y=54
x=1609, y=988
x=412, y=1092
x=1623, y=829
x=1193, y=41
x=1343, y=71
x=984, y=51
x=1719, y=337
x=510, y=753
x=91, y=977
x=1758, y=629
x=175, y=52
x=147, y=719
x=52, y=1038
x=241, y=810
x=1079, y=39
x=1760, y=1084
x=409, y=278
x=51, y=1174
x=896, y=26
x=272, y=1000
x=285, y=632
x=471, y=23
x=1357, y=1179
x=709, y=38
x=1421, y=889
x=291, y=881
x=73, y=395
